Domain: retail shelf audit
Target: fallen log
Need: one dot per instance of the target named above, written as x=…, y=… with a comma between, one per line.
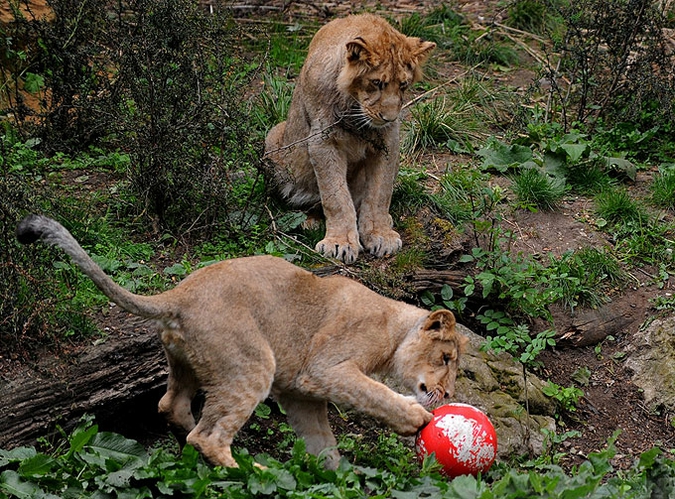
x=591, y=327
x=127, y=367
x=434, y=280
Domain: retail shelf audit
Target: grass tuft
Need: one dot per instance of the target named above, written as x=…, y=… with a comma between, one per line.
x=534, y=188
x=663, y=189
x=617, y=206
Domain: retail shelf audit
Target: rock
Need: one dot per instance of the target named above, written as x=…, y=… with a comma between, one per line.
x=496, y=385
x=652, y=359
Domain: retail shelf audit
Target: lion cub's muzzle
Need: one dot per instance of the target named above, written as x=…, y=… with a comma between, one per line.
x=432, y=398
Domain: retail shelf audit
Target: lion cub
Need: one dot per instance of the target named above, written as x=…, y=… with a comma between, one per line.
x=338, y=151
x=246, y=328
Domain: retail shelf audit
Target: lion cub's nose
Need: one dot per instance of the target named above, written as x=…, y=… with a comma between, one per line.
x=423, y=388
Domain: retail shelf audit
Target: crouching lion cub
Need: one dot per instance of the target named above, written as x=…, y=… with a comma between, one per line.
x=245, y=328
x=338, y=151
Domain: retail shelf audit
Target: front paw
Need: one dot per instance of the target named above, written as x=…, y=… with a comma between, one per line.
x=382, y=242
x=412, y=418
x=342, y=248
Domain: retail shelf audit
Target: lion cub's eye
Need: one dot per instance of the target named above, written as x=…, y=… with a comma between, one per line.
x=377, y=83
x=447, y=358
x=403, y=85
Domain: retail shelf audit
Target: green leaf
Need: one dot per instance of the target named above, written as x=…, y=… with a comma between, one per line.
x=16, y=455
x=12, y=484
x=81, y=436
x=623, y=167
x=554, y=164
x=574, y=151
x=177, y=269
x=428, y=298
x=291, y=220
x=38, y=465
x=647, y=459
x=114, y=447
x=500, y=156
x=33, y=83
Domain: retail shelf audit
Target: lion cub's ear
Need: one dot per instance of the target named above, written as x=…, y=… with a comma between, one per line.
x=440, y=324
x=357, y=50
x=421, y=49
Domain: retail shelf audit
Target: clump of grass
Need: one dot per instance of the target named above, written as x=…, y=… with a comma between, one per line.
x=534, y=16
x=441, y=25
x=584, y=277
x=493, y=51
x=441, y=122
x=527, y=15
x=534, y=188
x=588, y=178
x=274, y=101
x=663, y=189
x=616, y=206
x=452, y=199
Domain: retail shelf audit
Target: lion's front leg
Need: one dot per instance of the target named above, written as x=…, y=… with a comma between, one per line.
x=346, y=385
x=374, y=221
x=330, y=166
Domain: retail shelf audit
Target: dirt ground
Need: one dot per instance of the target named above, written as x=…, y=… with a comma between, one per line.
x=611, y=400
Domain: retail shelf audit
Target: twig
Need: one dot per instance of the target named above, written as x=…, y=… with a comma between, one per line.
x=288, y=146
x=433, y=90
x=274, y=223
x=526, y=47
x=526, y=33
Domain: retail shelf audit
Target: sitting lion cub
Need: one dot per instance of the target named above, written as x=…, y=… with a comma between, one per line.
x=338, y=150
x=244, y=328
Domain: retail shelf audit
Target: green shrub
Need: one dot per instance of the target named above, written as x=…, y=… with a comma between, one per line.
x=615, y=55
x=163, y=80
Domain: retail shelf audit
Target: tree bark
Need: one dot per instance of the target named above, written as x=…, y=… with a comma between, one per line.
x=590, y=327
x=129, y=365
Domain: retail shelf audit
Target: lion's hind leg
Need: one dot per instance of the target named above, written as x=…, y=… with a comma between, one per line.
x=309, y=419
x=182, y=385
x=231, y=398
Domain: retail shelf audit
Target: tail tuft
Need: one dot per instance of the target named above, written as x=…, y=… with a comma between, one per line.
x=29, y=229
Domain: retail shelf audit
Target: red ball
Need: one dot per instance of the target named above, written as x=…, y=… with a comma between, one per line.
x=462, y=438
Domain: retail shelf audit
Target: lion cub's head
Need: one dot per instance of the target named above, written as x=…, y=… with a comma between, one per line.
x=428, y=360
x=381, y=64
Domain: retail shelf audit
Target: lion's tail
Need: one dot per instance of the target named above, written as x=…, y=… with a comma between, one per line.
x=35, y=227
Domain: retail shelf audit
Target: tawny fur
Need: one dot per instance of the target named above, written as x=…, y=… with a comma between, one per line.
x=246, y=328
x=339, y=148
